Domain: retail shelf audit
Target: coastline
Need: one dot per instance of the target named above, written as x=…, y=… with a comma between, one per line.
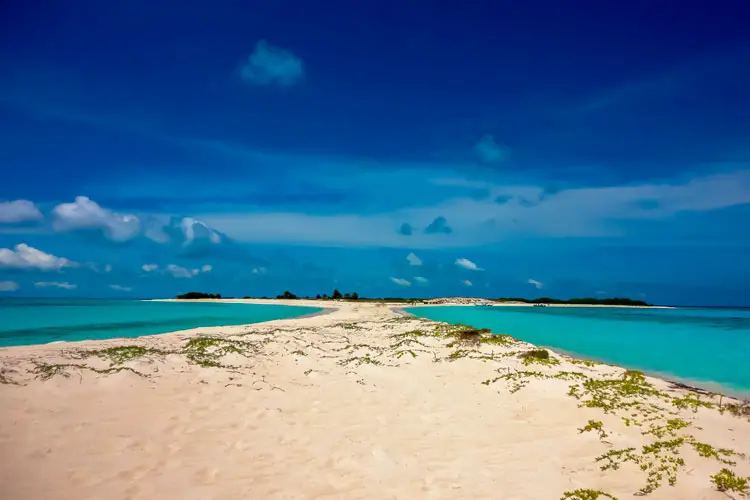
x=713, y=388
x=360, y=401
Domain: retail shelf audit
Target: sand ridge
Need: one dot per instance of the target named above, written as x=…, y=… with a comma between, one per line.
x=361, y=402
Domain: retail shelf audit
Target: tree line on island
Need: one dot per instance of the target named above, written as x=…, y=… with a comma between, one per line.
x=337, y=295
x=589, y=301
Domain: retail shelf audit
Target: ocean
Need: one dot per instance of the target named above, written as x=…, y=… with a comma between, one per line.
x=39, y=321
x=703, y=346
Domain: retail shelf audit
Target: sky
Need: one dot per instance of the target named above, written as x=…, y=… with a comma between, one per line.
x=410, y=148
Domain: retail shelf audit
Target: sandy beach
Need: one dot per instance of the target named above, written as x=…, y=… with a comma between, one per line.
x=360, y=402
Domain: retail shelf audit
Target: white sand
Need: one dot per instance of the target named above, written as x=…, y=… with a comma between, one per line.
x=294, y=419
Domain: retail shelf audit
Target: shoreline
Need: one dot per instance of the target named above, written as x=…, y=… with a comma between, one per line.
x=714, y=388
x=364, y=401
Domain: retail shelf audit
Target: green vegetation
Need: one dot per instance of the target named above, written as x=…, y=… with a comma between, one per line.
x=658, y=459
x=594, y=425
x=692, y=401
x=539, y=356
x=738, y=410
x=336, y=295
x=586, y=495
x=584, y=362
x=616, y=301
x=612, y=394
x=44, y=371
x=208, y=351
x=726, y=480
x=708, y=451
x=4, y=379
x=360, y=360
x=671, y=428
x=122, y=354
x=199, y=295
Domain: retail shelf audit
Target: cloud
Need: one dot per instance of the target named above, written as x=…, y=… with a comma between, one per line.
x=148, y=268
x=536, y=283
x=271, y=65
x=85, y=214
x=413, y=260
x=489, y=151
x=183, y=272
x=259, y=270
x=108, y=268
x=193, y=230
x=467, y=264
x=55, y=284
x=192, y=236
x=155, y=230
x=26, y=257
x=121, y=288
x=438, y=225
x=401, y=282
x=180, y=272
x=421, y=280
x=467, y=283
x=599, y=211
x=13, y=212
x=8, y=286
x=405, y=229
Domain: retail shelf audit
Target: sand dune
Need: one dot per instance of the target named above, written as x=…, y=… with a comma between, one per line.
x=358, y=403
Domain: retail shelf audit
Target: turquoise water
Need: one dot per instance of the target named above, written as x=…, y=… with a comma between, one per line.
x=38, y=321
x=704, y=346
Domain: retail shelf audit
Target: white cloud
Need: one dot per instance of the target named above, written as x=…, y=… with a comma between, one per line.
x=421, y=280
x=147, y=268
x=179, y=272
x=26, y=257
x=108, y=268
x=413, y=260
x=490, y=151
x=259, y=270
x=467, y=264
x=271, y=65
x=536, y=283
x=401, y=282
x=601, y=292
x=84, y=213
x=12, y=212
x=154, y=230
x=467, y=283
x=193, y=230
x=8, y=286
x=55, y=284
x=121, y=288
x=206, y=268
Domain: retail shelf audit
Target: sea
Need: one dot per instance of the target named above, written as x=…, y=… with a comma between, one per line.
x=40, y=321
x=706, y=347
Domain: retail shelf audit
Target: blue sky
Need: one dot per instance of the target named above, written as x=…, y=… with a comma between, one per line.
x=390, y=148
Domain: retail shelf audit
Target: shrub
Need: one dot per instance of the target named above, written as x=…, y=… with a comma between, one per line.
x=726, y=480
x=586, y=495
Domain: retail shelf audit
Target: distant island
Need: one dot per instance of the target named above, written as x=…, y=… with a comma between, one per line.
x=616, y=301
x=337, y=295
x=199, y=295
